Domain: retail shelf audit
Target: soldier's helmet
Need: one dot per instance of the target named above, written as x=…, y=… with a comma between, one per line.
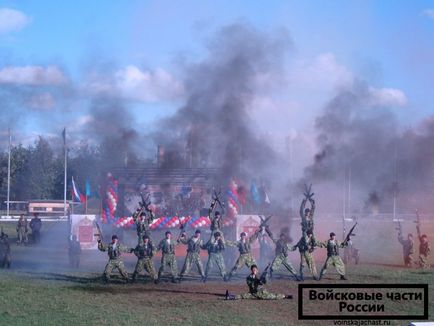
x=424, y=236
x=168, y=232
x=253, y=266
x=114, y=236
x=197, y=231
x=307, y=210
x=217, y=213
x=332, y=234
x=243, y=234
x=217, y=234
x=145, y=237
x=309, y=232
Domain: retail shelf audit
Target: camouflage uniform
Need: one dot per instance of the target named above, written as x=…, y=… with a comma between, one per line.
x=424, y=250
x=216, y=223
x=256, y=290
x=114, y=252
x=142, y=224
x=408, y=250
x=193, y=255
x=144, y=253
x=307, y=219
x=22, y=231
x=282, y=248
x=246, y=257
x=305, y=247
x=5, y=251
x=215, y=249
x=167, y=247
x=333, y=257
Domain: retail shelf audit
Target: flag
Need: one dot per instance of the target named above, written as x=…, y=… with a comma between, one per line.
x=88, y=191
x=77, y=195
x=255, y=193
x=267, y=199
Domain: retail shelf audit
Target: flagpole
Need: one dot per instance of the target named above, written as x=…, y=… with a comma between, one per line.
x=65, y=172
x=9, y=173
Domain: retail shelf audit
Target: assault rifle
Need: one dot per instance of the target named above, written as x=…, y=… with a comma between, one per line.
x=99, y=234
x=264, y=274
x=350, y=234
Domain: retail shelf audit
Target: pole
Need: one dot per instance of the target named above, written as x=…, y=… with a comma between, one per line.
x=396, y=182
x=9, y=174
x=349, y=191
x=65, y=172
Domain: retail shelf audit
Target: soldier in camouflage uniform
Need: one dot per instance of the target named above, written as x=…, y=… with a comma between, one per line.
x=407, y=248
x=424, y=249
x=306, y=246
x=194, y=245
x=256, y=289
x=244, y=247
x=142, y=220
x=22, y=230
x=144, y=252
x=114, y=250
x=333, y=258
x=217, y=219
x=307, y=214
x=5, y=251
x=167, y=247
x=282, y=248
x=215, y=249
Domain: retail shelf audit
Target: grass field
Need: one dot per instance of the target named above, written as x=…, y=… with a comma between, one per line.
x=40, y=289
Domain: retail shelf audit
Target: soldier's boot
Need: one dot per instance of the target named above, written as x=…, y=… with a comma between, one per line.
x=297, y=278
x=343, y=278
x=271, y=273
x=105, y=279
x=133, y=278
x=229, y=296
x=175, y=280
x=289, y=296
x=204, y=278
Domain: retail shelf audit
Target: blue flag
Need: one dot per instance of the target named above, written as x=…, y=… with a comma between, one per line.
x=255, y=193
x=88, y=192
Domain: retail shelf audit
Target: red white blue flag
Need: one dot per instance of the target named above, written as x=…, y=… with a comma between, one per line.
x=77, y=195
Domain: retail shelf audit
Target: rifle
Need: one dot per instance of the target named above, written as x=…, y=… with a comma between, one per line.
x=264, y=221
x=307, y=192
x=182, y=225
x=350, y=233
x=417, y=223
x=399, y=227
x=263, y=277
x=99, y=234
x=216, y=199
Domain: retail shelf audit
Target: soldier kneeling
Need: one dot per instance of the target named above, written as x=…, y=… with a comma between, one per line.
x=256, y=290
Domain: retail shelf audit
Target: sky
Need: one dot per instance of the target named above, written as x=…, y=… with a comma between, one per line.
x=56, y=56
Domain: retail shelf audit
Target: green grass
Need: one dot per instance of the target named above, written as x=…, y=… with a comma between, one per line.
x=81, y=299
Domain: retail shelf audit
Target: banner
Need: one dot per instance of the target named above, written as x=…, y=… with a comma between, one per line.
x=83, y=227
